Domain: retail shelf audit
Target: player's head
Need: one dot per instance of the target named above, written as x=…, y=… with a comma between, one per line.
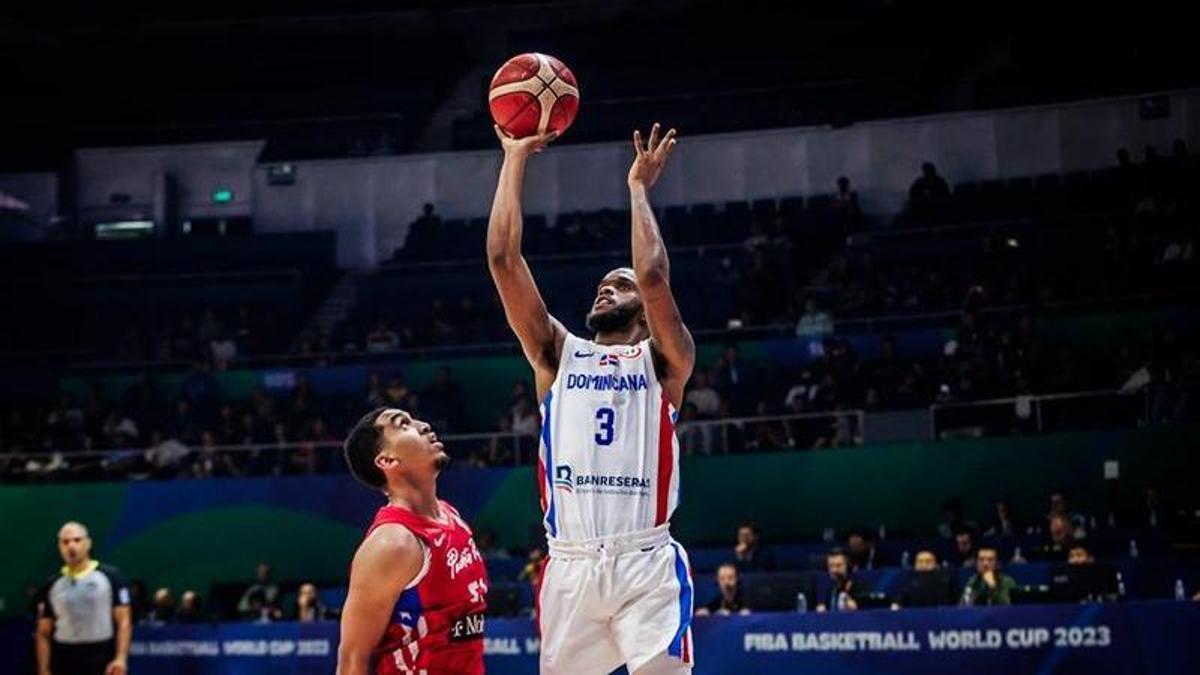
x=618, y=303
x=74, y=543
x=388, y=444
x=925, y=561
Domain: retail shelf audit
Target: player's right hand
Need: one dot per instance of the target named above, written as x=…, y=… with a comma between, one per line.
x=523, y=147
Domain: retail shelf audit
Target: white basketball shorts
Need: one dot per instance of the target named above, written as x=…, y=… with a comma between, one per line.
x=619, y=601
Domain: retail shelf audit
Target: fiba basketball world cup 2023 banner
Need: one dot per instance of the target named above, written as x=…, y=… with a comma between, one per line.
x=1132, y=638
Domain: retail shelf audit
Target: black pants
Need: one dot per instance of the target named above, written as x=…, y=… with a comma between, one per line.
x=88, y=658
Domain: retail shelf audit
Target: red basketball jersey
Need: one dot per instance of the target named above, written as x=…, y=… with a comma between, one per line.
x=437, y=623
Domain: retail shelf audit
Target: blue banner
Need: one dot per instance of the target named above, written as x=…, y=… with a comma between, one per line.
x=1144, y=637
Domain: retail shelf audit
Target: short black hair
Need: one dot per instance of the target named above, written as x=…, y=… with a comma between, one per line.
x=361, y=448
x=837, y=552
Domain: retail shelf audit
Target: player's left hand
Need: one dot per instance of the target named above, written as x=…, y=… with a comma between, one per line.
x=650, y=157
x=116, y=667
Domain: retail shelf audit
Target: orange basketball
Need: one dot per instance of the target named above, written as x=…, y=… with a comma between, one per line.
x=532, y=94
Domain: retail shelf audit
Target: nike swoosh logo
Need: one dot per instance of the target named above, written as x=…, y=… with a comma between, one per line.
x=439, y=541
x=584, y=355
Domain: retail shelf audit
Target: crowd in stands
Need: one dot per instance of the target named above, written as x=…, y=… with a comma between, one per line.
x=159, y=434
x=1063, y=555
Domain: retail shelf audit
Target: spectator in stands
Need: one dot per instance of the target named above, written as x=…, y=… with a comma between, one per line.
x=693, y=437
x=1079, y=555
x=928, y=194
x=183, y=424
x=223, y=350
x=1152, y=511
x=841, y=594
x=190, y=608
x=162, y=608
x=929, y=585
x=201, y=390
x=703, y=396
x=396, y=394
x=729, y=594
x=1060, y=505
x=804, y=395
x=1060, y=536
x=750, y=554
x=165, y=455
x=309, y=608
x=207, y=462
x=443, y=400
x=988, y=586
x=732, y=380
x=426, y=225
x=382, y=339
x=860, y=553
x=964, y=548
x=485, y=541
x=814, y=322
x=373, y=396
x=1004, y=523
x=952, y=521
x=846, y=211
x=261, y=598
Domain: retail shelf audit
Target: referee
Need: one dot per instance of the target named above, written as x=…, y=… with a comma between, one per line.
x=84, y=624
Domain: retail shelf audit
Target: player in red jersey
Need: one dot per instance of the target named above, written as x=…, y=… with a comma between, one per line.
x=417, y=583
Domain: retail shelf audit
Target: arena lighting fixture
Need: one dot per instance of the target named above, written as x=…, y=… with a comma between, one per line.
x=124, y=229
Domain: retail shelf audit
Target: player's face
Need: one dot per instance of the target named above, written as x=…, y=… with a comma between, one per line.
x=618, y=302
x=74, y=544
x=986, y=561
x=925, y=562
x=409, y=443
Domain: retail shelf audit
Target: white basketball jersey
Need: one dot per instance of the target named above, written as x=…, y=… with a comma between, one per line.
x=608, y=461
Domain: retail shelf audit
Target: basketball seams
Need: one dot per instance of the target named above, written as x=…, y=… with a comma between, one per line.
x=551, y=82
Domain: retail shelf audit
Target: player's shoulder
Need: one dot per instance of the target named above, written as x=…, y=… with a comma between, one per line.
x=108, y=570
x=390, y=540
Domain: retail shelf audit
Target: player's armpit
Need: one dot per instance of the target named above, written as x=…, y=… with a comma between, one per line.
x=385, y=563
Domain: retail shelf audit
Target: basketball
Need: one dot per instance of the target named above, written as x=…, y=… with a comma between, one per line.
x=532, y=94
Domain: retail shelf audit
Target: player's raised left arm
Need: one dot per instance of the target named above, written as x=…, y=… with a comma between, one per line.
x=669, y=336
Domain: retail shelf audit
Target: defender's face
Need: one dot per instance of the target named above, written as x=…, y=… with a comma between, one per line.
x=616, y=296
x=408, y=442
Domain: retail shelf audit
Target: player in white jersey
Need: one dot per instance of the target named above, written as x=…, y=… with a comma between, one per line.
x=616, y=588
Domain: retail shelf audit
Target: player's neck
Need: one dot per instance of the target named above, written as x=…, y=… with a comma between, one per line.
x=626, y=336
x=421, y=501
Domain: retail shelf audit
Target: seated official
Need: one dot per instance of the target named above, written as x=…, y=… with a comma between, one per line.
x=839, y=591
x=729, y=598
x=929, y=585
x=988, y=586
x=1082, y=579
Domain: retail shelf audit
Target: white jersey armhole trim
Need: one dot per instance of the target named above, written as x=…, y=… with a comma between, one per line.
x=428, y=558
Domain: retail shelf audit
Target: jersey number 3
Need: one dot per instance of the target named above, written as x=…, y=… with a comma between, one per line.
x=604, y=426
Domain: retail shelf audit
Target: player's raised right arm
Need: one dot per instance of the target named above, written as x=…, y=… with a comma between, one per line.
x=540, y=334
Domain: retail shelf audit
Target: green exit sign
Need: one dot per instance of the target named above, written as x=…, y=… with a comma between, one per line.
x=222, y=196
